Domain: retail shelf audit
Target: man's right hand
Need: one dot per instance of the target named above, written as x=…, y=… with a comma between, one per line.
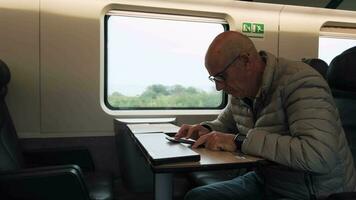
x=191, y=131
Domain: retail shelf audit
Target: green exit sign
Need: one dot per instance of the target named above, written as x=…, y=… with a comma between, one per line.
x=253, y=29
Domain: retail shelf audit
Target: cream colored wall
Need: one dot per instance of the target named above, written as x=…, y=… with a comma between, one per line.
x=19, y=48
x=299, y=29
x=70, y=63
x=53, y=50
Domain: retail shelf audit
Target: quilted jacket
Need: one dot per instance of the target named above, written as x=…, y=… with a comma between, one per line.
x=293, y=123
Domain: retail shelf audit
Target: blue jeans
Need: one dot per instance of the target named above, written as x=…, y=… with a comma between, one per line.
x=249, y=186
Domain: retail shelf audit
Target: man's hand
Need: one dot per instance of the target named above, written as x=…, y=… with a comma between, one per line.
x=217, y=141
x=191, y=131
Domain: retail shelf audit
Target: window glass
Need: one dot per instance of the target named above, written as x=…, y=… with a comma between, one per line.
x=330, y=47
x=158, y=63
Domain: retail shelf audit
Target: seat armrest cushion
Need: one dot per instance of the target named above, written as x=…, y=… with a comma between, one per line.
x=100, y=185
x=60, y=156
x=57, y=183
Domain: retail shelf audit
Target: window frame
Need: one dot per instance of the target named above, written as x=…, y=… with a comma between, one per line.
x=335, y=30
x=154, y=110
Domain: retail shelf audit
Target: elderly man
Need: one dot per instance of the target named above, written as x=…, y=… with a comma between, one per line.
x=279, y=110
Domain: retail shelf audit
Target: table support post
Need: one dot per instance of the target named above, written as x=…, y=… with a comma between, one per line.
x=163, y=186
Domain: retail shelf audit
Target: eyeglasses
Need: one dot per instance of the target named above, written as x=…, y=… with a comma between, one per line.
x=218, y=77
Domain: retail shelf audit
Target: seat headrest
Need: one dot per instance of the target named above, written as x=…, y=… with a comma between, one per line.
x=4, y=78
x=342, y=71
x=318, y=64
x=4, y=74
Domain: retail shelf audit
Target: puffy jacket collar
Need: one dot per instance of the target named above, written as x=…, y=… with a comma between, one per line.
x=267, y=79
x=268, y=74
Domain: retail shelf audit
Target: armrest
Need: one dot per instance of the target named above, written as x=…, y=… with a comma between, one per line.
x=55, y=183
x=60, y=156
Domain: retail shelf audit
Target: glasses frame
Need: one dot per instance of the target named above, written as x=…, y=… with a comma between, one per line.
x=218, y=77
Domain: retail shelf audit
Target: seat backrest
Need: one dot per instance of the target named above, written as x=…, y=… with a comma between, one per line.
x=341, y=77
x=10, y=153
x=60, y=182
x=318, y=64
x=342, y=71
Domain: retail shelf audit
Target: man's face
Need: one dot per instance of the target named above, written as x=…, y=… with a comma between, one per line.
x=231, y=77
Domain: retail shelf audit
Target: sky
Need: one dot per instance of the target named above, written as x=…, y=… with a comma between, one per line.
x=331, y=47
x=143, y=51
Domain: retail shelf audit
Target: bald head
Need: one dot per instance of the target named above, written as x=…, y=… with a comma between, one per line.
x=226, y=46
x=231, y=48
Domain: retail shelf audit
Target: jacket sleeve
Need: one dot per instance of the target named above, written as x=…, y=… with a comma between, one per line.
x=314, y=127
x=224, y=122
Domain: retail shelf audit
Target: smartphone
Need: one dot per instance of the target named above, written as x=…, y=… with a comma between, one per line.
x=181, y=140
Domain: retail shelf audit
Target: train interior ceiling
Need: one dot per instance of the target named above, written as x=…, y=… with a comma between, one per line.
x=65, y=58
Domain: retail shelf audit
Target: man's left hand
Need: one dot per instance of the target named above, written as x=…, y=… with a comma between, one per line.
x=217, y=141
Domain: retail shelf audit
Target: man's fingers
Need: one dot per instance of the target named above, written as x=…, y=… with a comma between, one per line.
x=212, y=142
x=182, y=132
x=193, y=132
x=201, y=140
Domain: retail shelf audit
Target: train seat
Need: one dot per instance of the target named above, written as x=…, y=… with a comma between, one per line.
x=50, y=181
x=318, y=64
x=341, y=79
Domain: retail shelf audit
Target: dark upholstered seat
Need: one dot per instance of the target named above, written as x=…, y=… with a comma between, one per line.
x=53, y=182
x=342, y=71
x=342, y=81
x=341, y=77
x=318, y=64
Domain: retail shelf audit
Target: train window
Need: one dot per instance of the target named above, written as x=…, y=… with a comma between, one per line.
x=335, y=40
x=156, y=62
